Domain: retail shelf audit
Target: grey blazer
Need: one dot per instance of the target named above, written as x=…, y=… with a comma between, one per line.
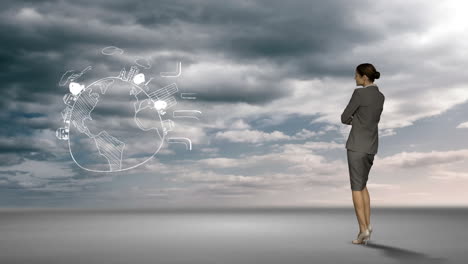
x=364, y=110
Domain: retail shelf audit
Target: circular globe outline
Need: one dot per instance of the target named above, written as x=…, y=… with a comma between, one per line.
x=139, y=164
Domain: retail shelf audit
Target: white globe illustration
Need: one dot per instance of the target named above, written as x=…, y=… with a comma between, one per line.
x=114, y=126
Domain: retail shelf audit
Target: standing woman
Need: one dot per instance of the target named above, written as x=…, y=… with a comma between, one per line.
x=363, y=113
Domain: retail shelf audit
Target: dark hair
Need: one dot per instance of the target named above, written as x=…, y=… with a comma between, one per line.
x=368, y=70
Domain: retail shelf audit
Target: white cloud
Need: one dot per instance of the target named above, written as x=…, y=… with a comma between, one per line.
x=29, y=15
x=251, y=136
x=255, y=136
x=423, y=159
x=42, y=169
x=239, y=124
x=463, y=125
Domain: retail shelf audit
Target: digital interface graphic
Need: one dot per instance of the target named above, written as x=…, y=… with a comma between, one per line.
x=96, y=146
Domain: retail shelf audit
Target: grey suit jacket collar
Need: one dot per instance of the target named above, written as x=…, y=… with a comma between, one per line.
x=371, y=85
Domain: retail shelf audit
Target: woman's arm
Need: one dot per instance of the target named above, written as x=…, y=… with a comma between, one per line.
x=347, y=115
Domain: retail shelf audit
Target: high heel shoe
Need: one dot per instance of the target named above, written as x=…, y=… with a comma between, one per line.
x=370, y=230
x=362, y=238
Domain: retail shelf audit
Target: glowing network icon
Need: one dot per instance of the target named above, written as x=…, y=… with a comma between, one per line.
x=102, y=145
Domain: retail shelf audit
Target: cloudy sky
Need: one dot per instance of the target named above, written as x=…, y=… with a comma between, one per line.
x=271, y=79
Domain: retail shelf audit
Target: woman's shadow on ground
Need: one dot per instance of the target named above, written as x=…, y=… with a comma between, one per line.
x=404, y=255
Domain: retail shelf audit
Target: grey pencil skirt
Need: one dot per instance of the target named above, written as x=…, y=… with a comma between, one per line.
x=359, y=165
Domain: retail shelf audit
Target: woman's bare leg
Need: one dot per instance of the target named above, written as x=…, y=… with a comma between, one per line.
x=365, y=194
x=358, y=201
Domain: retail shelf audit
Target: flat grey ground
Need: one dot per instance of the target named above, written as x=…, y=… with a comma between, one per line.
x=192, y=236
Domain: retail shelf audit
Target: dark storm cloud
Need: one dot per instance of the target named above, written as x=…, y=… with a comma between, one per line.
x=14, y=150
x=233, y=91
x=44, y=37
x=9, y=159
x=17, y=145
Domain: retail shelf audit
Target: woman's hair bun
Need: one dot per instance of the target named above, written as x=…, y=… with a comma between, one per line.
x=376, y=75
x=369, y=70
